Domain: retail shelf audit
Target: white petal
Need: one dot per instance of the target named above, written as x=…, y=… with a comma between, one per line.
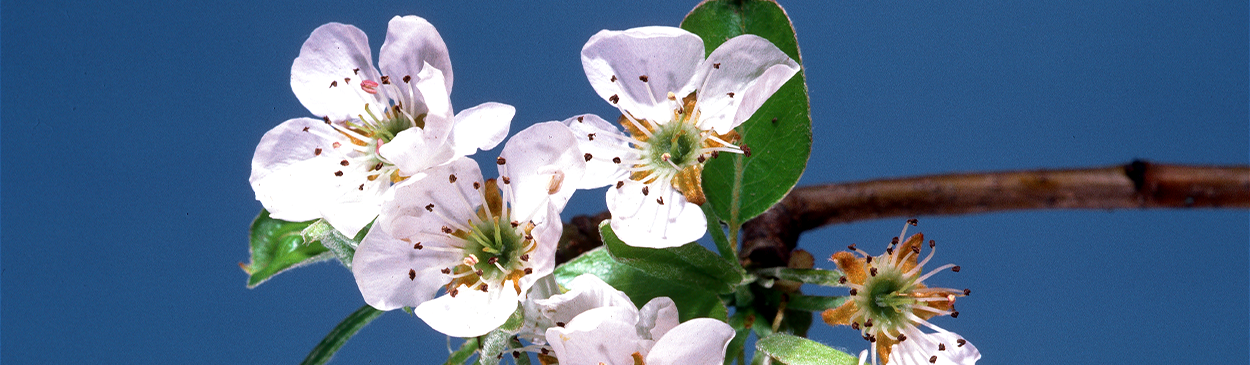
x=547, y=233
x=586, y=292
x=383, y=265
x=352, y=212
x=481, y=127
x=639, y=220
x=428, y=204
x=604, y=334
x=750, y=67
x=544, y=166
x=416, y=149
x=470, y=313
x=920, y=347
x=291, y=180
x=606, y=144
x=667, y=56
x=412, y=42
x=657, y=317
x=326, y=76
x=700, y=341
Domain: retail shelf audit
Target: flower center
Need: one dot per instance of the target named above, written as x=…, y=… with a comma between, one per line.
x=885, y=298
x=496, y=249
x=675, y=151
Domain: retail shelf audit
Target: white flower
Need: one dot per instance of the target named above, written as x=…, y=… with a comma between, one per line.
x=374, y=128
x=679, y=110
x=889, y=302
x=452, y=229
x=597, y=324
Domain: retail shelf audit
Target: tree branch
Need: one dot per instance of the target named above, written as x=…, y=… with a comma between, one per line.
x=769, y=238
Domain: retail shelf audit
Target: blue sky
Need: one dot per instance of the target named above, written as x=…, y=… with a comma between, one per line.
x=128, y=130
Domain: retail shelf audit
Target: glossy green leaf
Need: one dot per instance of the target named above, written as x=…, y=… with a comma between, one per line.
x=277, y=246
x=342, y=246
x=779, y=134
x=467, y=349
x=793, y=350
x=692, y=302
x=807, y=276
x=340, y=334
x=689, y=264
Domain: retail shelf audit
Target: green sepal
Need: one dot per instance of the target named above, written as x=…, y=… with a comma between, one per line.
x=343, y=247
x=779, y=134
x=794, y=350
x=340, y=334
x=689, y=264
x=493, y=344
x=692, y=302
x=806, y=276
x=276, y=246
x=466, y=350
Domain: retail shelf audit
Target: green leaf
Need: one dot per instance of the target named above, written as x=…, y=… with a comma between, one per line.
x=692, y=302
x=278, y=246
x=741, y=322
x=813, y=303
x=342, y=246
x=793, y=350
x=779, y=134
x=690, y=263
x=467, y=349
x=340, y=334
x=807, y=276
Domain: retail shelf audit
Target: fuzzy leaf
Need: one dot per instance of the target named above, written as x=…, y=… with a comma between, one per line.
x=794, y=350
x=277, y=246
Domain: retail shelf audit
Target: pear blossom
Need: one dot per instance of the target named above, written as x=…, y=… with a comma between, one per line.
x=678, y=110
x=889, y=302
x=484, y=242
x=596, y=324
x=373, y=129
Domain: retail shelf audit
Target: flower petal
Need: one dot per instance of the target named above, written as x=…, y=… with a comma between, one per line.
x=292, y=169
x=641, y=221
x=616, y=61
x=700, y=341
x=586, y=292
x=920, y=347
x=749, y=67
x=416, y=149
x=657, y=317
x=599, y=335
x=411, y=43
x=470, y=313
x=606, y=144
x=428, y=204
x=481, y=127
x=391, y=273
x=544, y=165
x=326, y=76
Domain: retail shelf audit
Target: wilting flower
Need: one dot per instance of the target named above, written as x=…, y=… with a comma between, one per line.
x=678, y=110
x=484, y=241
x=596, y=324
x=375, y=128
x=889, y=300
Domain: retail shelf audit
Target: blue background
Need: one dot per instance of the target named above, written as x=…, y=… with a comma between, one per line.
x=128, y=130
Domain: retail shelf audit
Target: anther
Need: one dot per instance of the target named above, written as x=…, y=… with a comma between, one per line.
x=492, y=260
x=746, y=151
x=515, y=223
x=932, y=244
x=412, y=274
x=855, y=325
x=902, y=337
x=338, y=173
x=643, y=78
x=873, y=272
x=961, y=342
x=913, y=222
x=361, y=187
x=702, y=159
x=529, y=271
x=590, y=136
x=482, y=287
x=941, y=347
x=774, y=120
x=326, y=118
x=842, y=280
x=500, y=160
x=529, y=237
x=646, y=190
x=889, y=250
x=619, y=184
x=334, y=83
x=851, y=247
x=613, y=79
x=933, y=359
x=317, y=152
x=506, y=180
x=660, y=200
x=559, y=324
x=453, y=292
x=730, y=94
x=587, y=156
x=378, y=166
x=854, y=292
x=967, y=292
x=955, y=269
x=417, y=246
x=477, y=185
x=868, y=323
x=386, y=80
x=347, y=80
x=429, y=208
x=446, y=270
x=915, y=249
x=545, y=351
x=355, y=71
x=525, y=257
x=478, y=272
x=894, y=241
x=955, y=314
x=715, y=154
x=614, y=99
x=579, y=119
x=451, y=178
x=407, y=78
x=447, y=230
x=516, y=355
x=616, y=160
x=344, y=163
x=369, y=86
x=716, y=66
x=868, y=260
x=336, y=145
x=305, y=129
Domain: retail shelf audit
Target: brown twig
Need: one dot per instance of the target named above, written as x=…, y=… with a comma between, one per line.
x=769, y=238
